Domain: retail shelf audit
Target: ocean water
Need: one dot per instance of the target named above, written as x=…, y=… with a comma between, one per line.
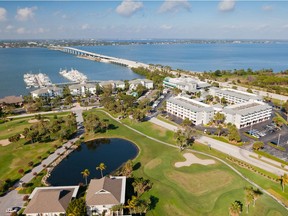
x=14, y=63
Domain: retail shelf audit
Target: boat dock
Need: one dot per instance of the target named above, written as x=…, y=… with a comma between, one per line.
x=99, y=57
x=37, y=80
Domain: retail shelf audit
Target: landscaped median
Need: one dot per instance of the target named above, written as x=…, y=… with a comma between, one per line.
x=189, y=190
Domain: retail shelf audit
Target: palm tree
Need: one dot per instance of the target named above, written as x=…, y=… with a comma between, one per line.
x=256, y=194
x=85, y=174
x=249, y=197
x=101, y=167
x=235, y=208
x=283, y=180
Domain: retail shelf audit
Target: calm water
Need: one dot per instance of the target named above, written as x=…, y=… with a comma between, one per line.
x=112, y=152
x=195, y=57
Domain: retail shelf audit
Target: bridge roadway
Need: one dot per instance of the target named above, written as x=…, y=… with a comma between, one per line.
x=101, y=58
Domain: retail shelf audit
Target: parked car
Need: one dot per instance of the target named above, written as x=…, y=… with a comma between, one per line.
x=13, y=209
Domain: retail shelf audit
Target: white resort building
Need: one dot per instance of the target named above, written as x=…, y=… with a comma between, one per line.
x=82, y=88
x=183, y=107
x=117, y=84
x=233, y=96
x=185, y=84
x=145, y=82
x=50, y=91
x=248, y=113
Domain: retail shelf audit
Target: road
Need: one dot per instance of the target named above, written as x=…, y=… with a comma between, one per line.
x=12, y=198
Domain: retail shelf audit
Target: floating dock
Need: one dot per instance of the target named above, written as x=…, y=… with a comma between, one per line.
x=37, y=80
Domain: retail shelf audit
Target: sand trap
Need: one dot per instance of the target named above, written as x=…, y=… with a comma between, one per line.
x=4, y=142
x=31, y=121
x=192, y=159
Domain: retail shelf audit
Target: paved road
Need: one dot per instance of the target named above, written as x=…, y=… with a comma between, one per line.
x=13, y=198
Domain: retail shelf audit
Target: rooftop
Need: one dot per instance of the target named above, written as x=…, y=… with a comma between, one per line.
x=190, y=104
x=11, y=99
x=246, y=108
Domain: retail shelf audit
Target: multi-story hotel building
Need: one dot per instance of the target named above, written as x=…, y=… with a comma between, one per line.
x=185, y=84
x=183, y=107
x=248, y=113
x=233, y=96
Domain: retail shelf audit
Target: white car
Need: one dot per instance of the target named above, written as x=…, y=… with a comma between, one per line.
x=13, y=209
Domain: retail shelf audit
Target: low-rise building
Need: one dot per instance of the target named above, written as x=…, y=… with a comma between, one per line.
x=50, y=201
x=104, y=193
x=82, y=88
x=145, y=82
x=115, y=84
x=247, y=114
x=185, y=84
x=49, y=91
x=9, y=100
x=233, y=96
x=183, y=107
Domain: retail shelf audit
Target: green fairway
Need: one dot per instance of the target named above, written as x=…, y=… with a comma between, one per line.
x=193, y=190
x=17, y=155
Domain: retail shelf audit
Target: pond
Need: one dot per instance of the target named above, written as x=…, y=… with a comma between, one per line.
x=112, y=152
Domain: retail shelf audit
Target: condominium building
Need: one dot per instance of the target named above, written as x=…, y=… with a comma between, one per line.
x=49, y=91
x=145, y=82
x=247, y=114
x=82, y=88
x=183, y=107
x=118, y=84
x=185, y=84
x=233, y=96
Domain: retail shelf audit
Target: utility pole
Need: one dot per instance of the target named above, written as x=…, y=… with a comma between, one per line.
x=278, y=139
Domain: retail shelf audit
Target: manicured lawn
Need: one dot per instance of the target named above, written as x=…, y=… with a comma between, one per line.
x=193, y=190
x=17, y=155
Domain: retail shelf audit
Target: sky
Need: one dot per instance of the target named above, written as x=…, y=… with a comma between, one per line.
x=130, y=19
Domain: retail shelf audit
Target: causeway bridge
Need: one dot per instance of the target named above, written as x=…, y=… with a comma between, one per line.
x=98, y=57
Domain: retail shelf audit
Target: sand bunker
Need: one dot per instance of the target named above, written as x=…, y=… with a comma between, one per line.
x=4, y=142
x=192, y=159
x=31, y=121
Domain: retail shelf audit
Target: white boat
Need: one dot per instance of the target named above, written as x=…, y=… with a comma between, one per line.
x=73, y=75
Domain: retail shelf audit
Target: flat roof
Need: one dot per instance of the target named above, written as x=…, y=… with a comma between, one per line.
x=246, y=108
x=238, y=94
x=190, y=104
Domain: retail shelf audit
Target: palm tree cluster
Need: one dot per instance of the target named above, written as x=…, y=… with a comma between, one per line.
x=93, y=123
x=251, y=195
x=101, y=167
x=137, y=204
x=235, y=208
x=61, y=128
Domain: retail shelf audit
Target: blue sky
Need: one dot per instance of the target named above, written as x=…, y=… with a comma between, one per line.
x=130, y=19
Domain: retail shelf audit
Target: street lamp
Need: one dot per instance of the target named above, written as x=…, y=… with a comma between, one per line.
x=278, y=139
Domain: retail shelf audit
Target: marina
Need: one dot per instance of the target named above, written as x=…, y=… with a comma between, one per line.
x=73, y=75
x=37, y=80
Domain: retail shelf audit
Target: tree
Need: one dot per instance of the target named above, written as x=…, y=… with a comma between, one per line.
x=235, y=208
x=233, y=133
x=219, y=118
x=127, y=169
x=85, y=174
x=283, y=180
x=278, y=121
x=185, y=137
x=101, y=167
x=219, y=130
x=186, y=122
x=77, y=207
x=224, y=101
x=66, y=91
x=249, y=90
x=141, y=185
x=258, y=145
x=248, y=198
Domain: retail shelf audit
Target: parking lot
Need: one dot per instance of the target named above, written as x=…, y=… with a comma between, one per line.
x=268, y=132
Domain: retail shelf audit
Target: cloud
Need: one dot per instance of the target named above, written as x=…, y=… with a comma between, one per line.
x=129, y=7
x=26, y=13
x=9, y=27
x=21, y=30
x=3, y=14
x=166, y=27
x=226, y=5
x=85, y=27
x=267, y=8
x=174, y=6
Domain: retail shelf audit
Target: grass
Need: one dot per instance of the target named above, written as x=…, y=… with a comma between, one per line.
x=281, y=148
x=265, y=154
x=224, y=139
x=282, y=119
x=162, y=118
x=17, y=155
x=195, y=190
